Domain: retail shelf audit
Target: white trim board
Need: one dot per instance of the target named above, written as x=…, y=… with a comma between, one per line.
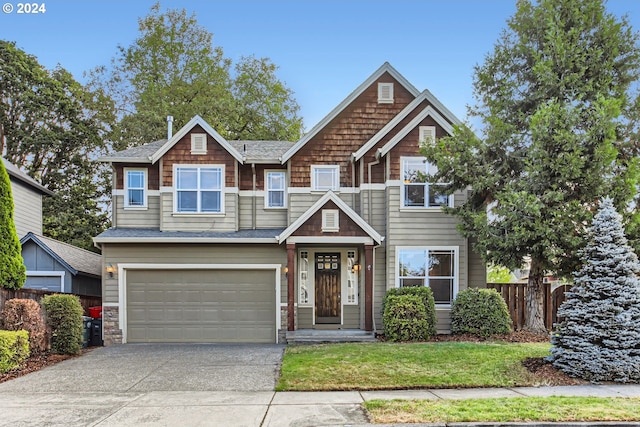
x=122, y=284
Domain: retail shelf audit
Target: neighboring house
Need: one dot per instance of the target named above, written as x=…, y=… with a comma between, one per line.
x=27, y=199
x=223, y=241
x=56, y=266
x=51, y=264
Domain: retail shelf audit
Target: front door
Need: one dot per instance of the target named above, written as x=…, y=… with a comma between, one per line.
x=328, y=288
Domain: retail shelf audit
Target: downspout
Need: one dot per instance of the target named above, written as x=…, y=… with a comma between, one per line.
x=353, y=183
x=370, y=203
x=253, y=198
x=114, y=199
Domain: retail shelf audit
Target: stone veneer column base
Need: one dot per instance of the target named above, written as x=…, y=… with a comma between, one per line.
x=111, y=326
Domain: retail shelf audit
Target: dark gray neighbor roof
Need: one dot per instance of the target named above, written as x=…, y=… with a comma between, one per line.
x=257, y=151
x=18, y=174
x=141, y=234
x=72, y=257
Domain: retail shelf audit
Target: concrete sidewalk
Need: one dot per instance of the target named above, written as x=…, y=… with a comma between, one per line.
x=247, y=408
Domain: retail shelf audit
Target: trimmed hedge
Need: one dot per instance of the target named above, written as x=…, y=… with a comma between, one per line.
x=426, y=295
x=480, y=312
x=405, y=318
x=64, y=319
x=25, y=314
x=14, y=349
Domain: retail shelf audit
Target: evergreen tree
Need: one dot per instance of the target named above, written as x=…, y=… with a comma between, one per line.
x=553, y=96
x=12, y=269
x=599, y=336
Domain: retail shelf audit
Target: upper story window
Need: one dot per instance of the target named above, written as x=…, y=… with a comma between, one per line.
x=325, y=177
x=417, y=192
x=385, y=93
x=429, y=266
x=198, y=143
x=135, y=184
x=198, y=188
x=275, y=183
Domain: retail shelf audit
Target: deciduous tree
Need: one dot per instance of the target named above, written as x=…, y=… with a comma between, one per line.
x=173, y=68
x=53, y=127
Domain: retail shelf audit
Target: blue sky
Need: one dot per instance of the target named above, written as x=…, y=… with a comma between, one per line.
x=324, y=49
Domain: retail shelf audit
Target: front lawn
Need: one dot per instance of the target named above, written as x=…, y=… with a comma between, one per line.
x=379, y=366
x=541, y=409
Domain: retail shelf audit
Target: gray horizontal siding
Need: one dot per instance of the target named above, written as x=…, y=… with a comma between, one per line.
x=351, y=316
x=222, y=222
x=137, y=218
x=27, y=209
x=265, y=218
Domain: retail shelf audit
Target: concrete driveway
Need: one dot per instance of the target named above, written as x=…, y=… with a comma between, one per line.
x=169, y=385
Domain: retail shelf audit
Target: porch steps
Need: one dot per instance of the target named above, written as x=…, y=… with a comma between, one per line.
x=317, y=336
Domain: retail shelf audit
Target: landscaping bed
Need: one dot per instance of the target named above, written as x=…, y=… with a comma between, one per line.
x=36, y=362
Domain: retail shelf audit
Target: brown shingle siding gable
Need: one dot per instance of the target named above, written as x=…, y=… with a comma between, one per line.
x=348, y=131
x=180, y=153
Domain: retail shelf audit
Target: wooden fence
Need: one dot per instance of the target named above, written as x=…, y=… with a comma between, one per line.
x=514, y=295
x=37, y=294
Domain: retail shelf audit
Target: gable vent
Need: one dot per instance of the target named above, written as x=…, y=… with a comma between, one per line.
x=330, y=220
x=385, y=93
x=199, y=143
x=427, y=134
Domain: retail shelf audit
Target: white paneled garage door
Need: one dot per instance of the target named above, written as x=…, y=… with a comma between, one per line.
x=201, y=306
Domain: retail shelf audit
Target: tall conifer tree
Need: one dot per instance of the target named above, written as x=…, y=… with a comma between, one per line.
x=12, y=269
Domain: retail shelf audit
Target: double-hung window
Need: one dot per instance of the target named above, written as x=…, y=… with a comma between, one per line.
x=417, y=192
x=199, y=189
x=135, y=188
x=275, y=183
x=435, y=267
x=325, y=177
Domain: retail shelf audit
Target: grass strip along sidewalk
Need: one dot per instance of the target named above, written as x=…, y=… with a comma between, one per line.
x=545, y=409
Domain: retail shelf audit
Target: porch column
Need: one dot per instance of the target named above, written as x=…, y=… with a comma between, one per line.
x=291, y=274
x=368, y=287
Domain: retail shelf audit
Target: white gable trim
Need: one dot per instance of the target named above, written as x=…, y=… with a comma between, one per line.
x=386, y=67
x=429, y=111
x=425, y=95
x=330, y=196
x=197, y=120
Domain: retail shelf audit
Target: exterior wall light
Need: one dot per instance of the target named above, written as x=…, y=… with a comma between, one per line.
x=356, y=268
x=110, y=270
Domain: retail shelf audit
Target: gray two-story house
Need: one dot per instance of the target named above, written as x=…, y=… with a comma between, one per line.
x=244, y=241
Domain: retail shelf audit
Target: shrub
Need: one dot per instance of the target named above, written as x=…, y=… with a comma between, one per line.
x=14, y=349
x=25, y=314
x=480, y=312
x=426, y=295
x=64, y=320
x=405, y=318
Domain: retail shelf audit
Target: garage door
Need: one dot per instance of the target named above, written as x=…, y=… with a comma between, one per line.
x=201, y=306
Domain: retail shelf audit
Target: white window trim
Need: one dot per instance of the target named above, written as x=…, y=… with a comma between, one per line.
x=336, y=177
x=176, y=212
x=267, y=190
x=195, y=149
x=145, y=188
x=427, y=185
x=456, y=255
x=382, y=100
x=326, y=214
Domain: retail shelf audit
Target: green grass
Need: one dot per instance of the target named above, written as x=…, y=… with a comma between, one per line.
x=379, y=366
x=544, y=409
